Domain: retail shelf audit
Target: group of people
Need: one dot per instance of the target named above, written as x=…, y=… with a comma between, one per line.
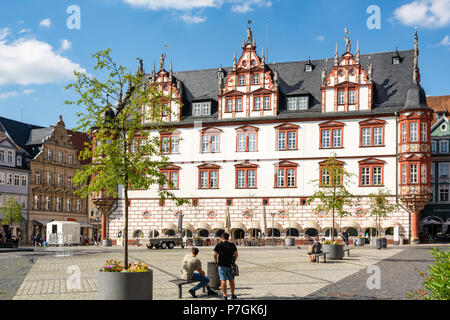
x=225, y=256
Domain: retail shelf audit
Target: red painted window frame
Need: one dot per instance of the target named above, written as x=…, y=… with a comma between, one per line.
x=371, y=163
x=246, y=167
x=331, y=125
x=286, y=128
x=372, y=124
x=321, y=166
x=285, y=165
x=169, y=170
x=208, y=168
x=169, y=135
x=209, y=132
x=262, y=96
x=246, y=130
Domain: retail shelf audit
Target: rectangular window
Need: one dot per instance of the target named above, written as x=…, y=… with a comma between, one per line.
x=432, y=172
x=38, y=177
x=266, y=103
x=19, y=161
x=238, y=105
x=376, y=176
x=325, y=177
x=49, y=155
x=443, y=170
x=365, y=176
x=325, y=138
x=174, y=144
x=256, y=78
x=10, y=157
x=17, y=180
x=443, y=193
x=351, y=97
x=292, y=103
x=404, y=132
x=423, y=173
x=49, y=178
x=246, y=178
x=2, y=155
x=203, y=179
x=251, y=181
x=241, y=80
x=2, y=178
x=69, y=205
x=341, y=97
x=214, y=143
x=10, y=179
x=290, y=177
x=201, y=109
x=58, y=204
x=297, y=103
x=60, y=157
x=443, y=146
x=165, y=141
x=172, y=177
x=378, y=136
x=413, y=132
x=241, y=142
x=366, y=138
x=213, y=179
x=337, y=142
x=133, y=147
x=413, y=173
x=48, y=203
x=229, y=105
x=404, y=174
x=257, y=105
x=281, y=140
x=280, y=178
x=205, y=143
x=252, y=142
x=292, y=140
x=241, y=179
x=37, y=202
x=423, y=132
x=69, y=159
x=433, y=146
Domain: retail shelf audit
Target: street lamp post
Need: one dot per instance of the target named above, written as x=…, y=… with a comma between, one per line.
x=273, y=226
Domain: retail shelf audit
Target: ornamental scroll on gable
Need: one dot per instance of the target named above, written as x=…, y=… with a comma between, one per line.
x=347, y=86
x=169, y=85
x=250, y=89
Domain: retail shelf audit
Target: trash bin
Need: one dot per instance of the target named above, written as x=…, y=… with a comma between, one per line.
x=213, y=274
x=383, y=243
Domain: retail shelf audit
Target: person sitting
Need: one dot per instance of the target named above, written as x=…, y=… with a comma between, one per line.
x=315, y=248
x=191, y=264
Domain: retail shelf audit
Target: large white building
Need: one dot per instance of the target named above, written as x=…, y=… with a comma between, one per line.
x=251, y=138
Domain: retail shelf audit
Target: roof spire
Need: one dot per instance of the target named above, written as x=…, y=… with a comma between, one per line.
x=416, y=74
x=336, y=55
x=357, y=51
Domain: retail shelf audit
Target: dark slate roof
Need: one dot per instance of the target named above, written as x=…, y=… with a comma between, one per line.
x=19, y=132
x=38, y=136
x=415, y=98
x=391, y=83
x=78, y=140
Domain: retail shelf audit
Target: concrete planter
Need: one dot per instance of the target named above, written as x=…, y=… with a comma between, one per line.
x=125, y=285
x=359, y=242
x=334, y=252
x=289, y=242
x=107, y=243
x=379, y=243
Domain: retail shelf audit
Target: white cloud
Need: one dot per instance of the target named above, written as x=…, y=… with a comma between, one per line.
x=45, y=23
x=174, y=4
x=238, y=6
x=65, y=45
x=246, y=5
x=424, y=13
x=24, y=31
x=320, y=38
x=10, y=94
x=5, y=32
x=445, y=41
x=29, y=61
x=190, y=19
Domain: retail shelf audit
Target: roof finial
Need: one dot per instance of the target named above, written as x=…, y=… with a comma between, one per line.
x=249, y=36
x=357, y=51
x=416, y=74
x=234, y=60
x=171, y=70
x=336, y=55
x=263, y=57
x=141, y=66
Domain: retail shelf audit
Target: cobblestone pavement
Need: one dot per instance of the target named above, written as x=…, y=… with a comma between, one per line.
x=13, y=269
x=266, y=273
x=397, y=277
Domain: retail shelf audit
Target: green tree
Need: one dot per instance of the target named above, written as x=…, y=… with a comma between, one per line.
x=437, y=279
x=125, y=148
x=11, y=212
x=333, y=193
x=380, y=207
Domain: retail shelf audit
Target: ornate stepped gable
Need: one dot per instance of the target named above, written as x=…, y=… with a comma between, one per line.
x=369, y=83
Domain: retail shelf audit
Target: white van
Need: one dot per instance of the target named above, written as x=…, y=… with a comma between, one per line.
x=63, y=233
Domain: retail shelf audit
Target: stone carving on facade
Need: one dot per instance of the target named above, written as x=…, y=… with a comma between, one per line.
x=179, y=87
x=161, y=61
x=141, y=65
x=348, y=44
x=336, y=61
x=324, y=76
x=370, y=72
x=276, y=80
x=249, y=35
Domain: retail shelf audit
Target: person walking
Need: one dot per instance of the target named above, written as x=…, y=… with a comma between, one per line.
x=344, y=236
x=191, y=269
x=225, y=255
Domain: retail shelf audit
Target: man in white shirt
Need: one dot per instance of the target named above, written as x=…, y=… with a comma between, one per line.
x=191, y=269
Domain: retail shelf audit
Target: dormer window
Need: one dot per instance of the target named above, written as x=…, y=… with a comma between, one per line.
x=256, y=78
x=395, y=60
x=241, y=80
x=201, y=109
x=297, y=103
x=19, y=161
x=308, y=68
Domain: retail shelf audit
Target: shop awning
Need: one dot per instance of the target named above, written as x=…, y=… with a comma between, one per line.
x=86, y=225
x=42, y=222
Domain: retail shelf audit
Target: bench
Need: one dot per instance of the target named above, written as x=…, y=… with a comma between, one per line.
x=348, y=252
x=318, y=255
x=180, y=283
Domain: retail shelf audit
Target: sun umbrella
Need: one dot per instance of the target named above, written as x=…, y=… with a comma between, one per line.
x=264, y=221
x=180, y=222
x=227, y=220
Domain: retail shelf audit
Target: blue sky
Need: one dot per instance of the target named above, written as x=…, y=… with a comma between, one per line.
x=38, y=52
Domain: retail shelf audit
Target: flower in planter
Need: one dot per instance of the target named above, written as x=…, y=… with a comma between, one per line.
x=327, y=242
x=113, y=265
